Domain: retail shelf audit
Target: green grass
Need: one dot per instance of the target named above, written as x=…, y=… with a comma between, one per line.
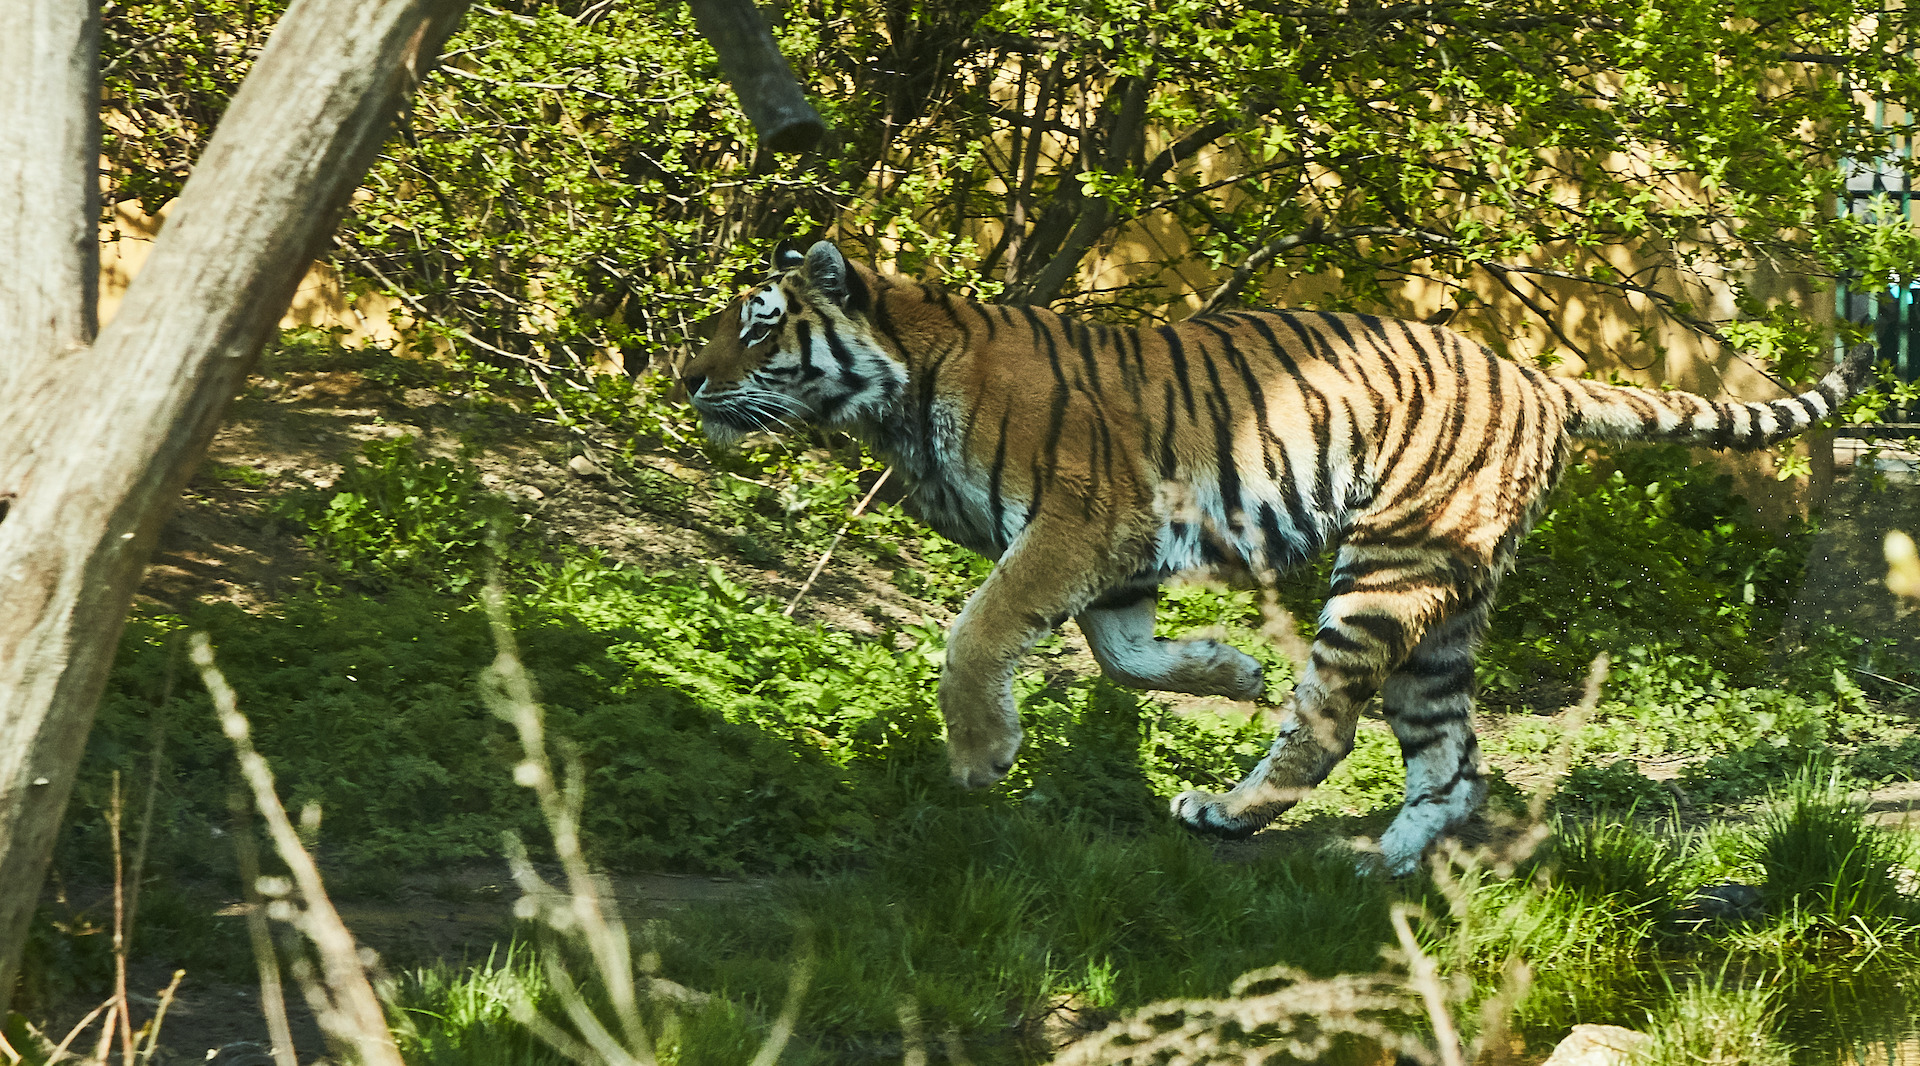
x=717, y=736
x=982, y=920
x=1705, y=1025
x=986, y=919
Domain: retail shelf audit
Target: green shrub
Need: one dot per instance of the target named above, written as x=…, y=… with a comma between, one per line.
x=394, y=518
x=1646, y=549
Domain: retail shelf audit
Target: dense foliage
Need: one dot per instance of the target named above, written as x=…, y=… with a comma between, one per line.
x=576, y=181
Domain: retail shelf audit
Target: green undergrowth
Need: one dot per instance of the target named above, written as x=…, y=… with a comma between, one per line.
x=983, y=922
x=715, y=734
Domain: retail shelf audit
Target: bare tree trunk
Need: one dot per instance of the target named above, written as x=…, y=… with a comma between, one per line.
x=49, y=184
x=96, y=442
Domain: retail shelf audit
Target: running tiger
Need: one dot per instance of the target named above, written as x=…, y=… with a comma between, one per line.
x=1094, y=462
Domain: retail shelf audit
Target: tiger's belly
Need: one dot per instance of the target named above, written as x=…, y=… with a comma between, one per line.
x=1253, y=525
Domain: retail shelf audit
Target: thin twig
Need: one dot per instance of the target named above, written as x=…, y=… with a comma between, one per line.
x=828, y=554
x=159, y=1016
x=1424, y=976
x=343, y=999
x=119, y=930
x=60, y=1049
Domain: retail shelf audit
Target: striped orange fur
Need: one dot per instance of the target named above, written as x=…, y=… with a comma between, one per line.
x=1094, y=462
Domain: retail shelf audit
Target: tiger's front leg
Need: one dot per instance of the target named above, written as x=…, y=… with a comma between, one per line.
x=1119, y=631
x=1048, y=574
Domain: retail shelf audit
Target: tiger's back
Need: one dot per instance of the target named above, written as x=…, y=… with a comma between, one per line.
x=1094, y=462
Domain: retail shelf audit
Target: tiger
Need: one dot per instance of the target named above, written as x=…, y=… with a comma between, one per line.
x=1093, y=463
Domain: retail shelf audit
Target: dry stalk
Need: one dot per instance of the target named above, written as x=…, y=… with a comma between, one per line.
x=273, y=999
x=821, y=565
x=341, y=994
x=1903, y=566
x=912, y=1040
x=584, y=914
x=121, y=1002
x=159, y=1016
x=1424, y=975
x=1280, y=628
x=1269, y=1014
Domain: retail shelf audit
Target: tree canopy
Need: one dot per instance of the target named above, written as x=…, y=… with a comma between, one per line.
x=579, y=180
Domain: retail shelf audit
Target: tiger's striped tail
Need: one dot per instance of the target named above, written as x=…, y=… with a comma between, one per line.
x=1619, y=413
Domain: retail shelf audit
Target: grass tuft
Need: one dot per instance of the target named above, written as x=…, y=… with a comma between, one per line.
x=1819, y=856
x=1706, y=1026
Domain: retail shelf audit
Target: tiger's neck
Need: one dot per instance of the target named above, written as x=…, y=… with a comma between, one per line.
x=922, y=326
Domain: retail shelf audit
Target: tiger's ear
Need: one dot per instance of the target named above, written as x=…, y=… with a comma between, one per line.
x=837, y=281
x=787, y=255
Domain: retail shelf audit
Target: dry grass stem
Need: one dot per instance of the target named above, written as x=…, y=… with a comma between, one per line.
x=583, y=912
x=1279, y=627
x=913, y=1042
x=1424, y=975
x=273, y=999
x=1903, y=566
x=121, y=1002
x=858, y=510
x=789, y=1014
x=341, y=994
x=1270, y=1013
x=152, y=1032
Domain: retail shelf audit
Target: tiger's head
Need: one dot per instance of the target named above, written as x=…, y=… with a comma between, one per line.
x=797, y=348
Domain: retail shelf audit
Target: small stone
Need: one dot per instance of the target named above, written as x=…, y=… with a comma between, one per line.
x=585, y=467
x=1597, y=1045
x=1722, y=903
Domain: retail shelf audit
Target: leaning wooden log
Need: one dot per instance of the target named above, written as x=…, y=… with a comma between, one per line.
x=761, y=78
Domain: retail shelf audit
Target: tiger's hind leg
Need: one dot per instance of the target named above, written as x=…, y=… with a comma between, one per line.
x=1429, y=704
x=1119, y=630
x=1384, y=600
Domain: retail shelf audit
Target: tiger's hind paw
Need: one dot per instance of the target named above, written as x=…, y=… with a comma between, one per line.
x=1204, y=812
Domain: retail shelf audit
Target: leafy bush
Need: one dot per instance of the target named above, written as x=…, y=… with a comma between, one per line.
x=393, y=517
x=1646, y=551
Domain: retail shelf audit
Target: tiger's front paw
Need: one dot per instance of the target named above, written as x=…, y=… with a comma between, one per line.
x=1237, y=675
x=977, y=761
x=1204, y=812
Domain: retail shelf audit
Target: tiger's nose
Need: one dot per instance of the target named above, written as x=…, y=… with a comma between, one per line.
x=693, y=384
